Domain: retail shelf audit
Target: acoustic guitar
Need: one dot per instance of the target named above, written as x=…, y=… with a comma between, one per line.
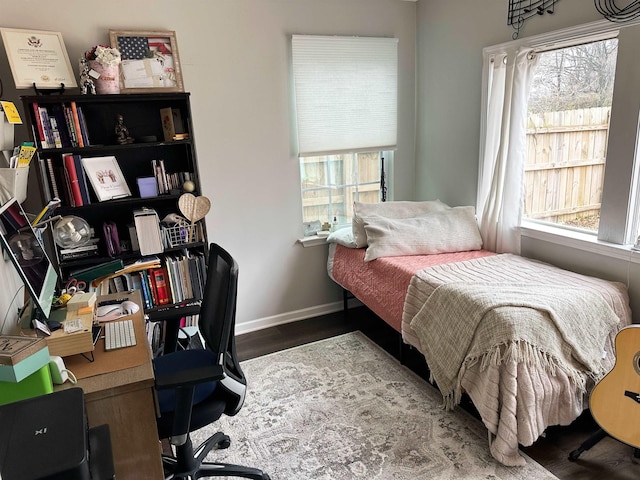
x=615, y=400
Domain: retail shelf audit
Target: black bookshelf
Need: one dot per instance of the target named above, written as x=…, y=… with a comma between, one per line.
x=56, y=124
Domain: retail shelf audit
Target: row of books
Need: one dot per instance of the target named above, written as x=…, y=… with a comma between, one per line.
x=60, y=125
x=166, y=181
x=182, y=277
x=66, y=180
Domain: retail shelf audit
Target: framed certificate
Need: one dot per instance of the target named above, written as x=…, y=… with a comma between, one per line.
x=37, y=57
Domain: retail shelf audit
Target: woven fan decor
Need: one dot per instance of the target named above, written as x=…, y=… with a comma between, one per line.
x=193, y=208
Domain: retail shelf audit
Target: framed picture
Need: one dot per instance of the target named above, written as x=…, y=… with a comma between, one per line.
x=150, y=61
x=105, y=177
x=37, y=57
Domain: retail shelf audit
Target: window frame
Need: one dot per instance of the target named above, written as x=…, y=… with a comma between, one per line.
x=620, y=207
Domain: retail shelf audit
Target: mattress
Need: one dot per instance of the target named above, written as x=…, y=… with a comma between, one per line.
x=382, y=283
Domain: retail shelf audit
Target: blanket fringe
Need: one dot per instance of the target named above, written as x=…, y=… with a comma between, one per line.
x=520, y=351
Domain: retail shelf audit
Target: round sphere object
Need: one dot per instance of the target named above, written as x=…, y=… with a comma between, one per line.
x=188, y=186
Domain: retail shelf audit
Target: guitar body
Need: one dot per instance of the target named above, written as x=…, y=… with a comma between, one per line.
x=615, y=400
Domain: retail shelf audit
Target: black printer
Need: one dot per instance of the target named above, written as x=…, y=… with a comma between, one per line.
x=47, y=438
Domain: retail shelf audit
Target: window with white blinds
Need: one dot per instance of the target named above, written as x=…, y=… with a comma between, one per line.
x=346, y=93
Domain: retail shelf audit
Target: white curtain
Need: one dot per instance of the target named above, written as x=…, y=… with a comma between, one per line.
x=500, y=182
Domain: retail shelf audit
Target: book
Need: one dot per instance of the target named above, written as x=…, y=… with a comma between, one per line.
x=57, y=138
x=136, y=284
x=166, y=116
x=163, y=176
x=78, y=255
x=83, y=127
x=71, y=201
x=162, y=292
x=71, y=126
x=46, y=126
x=119, y=284
x=39, y=126
x=83, y=248
x=62, y=128
x=52, y=178
x=183, y=273
x=44, y=179
x=76, y=123
x=82, y=180
x=152, y=287
x=146, y=293
x=74, y=182
x=169, y=279
x=97, y=271
x=14, y=348
x=157, y=173
x=105, y=177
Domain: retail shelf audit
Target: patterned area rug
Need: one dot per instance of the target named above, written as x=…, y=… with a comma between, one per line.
x=342, y=408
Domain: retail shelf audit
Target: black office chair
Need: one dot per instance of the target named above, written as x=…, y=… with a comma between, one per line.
x=196, y=386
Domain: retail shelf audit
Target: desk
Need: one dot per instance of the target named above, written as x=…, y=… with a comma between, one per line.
x=125, y=399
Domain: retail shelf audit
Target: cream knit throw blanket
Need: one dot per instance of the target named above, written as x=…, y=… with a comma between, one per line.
x=546, y=325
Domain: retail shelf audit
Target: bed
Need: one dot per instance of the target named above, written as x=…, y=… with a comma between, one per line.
x=525, y=340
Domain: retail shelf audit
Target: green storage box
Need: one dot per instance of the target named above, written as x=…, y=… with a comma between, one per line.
x=24, y=368
x=38, y=383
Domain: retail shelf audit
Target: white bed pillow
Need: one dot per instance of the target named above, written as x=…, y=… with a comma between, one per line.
x=451, y=230
x=343, y=236
x=400, y=209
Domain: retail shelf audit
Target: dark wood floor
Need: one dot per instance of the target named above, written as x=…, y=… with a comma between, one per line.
x=608, y=459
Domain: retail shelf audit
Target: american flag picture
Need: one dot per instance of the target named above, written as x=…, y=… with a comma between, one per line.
x=133, y=48
x=149, y=59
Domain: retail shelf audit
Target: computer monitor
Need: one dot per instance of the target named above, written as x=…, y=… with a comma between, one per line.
x=24, y=248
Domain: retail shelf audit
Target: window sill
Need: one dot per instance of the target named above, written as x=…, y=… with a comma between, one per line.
x=312, y=241
x=581, y=241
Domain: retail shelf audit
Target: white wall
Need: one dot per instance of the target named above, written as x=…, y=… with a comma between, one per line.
x=451, y=36
x=235, y=63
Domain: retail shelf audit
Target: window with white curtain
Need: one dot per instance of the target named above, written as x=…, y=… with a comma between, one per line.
x=589, y=183
x=346, y=108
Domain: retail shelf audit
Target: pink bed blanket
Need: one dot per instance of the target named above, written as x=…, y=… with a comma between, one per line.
x=382, y=283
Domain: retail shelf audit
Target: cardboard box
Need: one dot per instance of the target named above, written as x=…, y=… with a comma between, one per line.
x=15, y=348
x=81, y=300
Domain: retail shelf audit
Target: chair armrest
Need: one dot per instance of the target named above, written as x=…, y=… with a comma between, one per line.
x=171, y=316
x=185, y=378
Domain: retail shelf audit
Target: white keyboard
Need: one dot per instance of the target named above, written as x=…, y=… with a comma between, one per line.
x=118, y=334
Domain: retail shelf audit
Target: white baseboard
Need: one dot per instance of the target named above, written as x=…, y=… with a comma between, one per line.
x=288, y=317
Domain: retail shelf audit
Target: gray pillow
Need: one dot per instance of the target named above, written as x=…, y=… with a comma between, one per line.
x=451, y=230
x=400, y=209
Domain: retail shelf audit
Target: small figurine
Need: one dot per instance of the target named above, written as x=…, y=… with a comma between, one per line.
x=86, y=82
x=122, y=132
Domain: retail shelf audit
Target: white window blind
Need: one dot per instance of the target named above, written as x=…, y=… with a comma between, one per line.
x=346, y=93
